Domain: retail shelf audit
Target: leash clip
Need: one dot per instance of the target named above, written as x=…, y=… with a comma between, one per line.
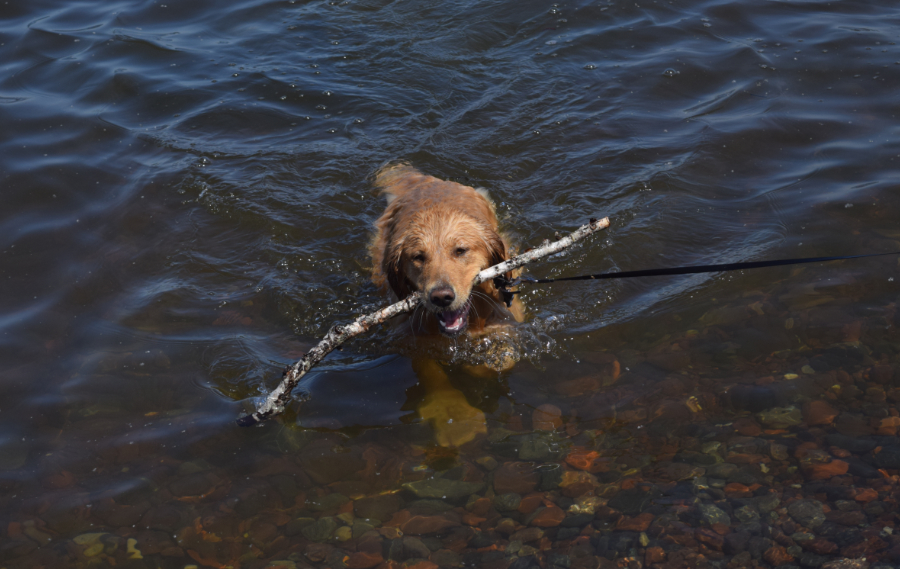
x=502, y=284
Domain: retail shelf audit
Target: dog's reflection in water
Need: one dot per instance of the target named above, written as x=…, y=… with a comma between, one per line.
x=435, y=237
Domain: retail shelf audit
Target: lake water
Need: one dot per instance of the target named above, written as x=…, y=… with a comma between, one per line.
x=187, y=202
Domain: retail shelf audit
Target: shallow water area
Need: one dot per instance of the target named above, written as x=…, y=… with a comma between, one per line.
x=188, y=203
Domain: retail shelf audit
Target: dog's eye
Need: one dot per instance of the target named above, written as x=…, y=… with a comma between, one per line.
x=460, y=251
x=419, y=257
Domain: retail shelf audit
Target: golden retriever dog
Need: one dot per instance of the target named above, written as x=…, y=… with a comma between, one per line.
x=434, y=237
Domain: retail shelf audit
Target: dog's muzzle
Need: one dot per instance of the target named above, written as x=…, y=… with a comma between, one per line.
x=453, y=322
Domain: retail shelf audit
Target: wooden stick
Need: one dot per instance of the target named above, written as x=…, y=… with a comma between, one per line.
x=274, y=403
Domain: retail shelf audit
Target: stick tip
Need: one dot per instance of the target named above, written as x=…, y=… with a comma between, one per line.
x=599, y=223
x=248, y=420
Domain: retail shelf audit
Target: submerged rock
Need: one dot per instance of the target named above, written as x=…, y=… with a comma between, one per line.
x=443, y=489
x=321, y=530
x=380, y=507
x=712, y=515
x=516, y=478
x=634, y=501
x=507, y=502
x=808, y=513
x=781, y=417
x=889, y=457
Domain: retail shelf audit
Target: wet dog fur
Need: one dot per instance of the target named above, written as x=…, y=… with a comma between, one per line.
x=434, y=237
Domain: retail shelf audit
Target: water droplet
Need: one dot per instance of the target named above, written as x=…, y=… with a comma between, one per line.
x=536, y=132
x=283, y=97
x=321, y=107
x=358, y=121
x=590, y=66
x=332, y=130
x=326, y=93
x=670, y=72
x=550, y=42
x=848, y=206
x=335, y=42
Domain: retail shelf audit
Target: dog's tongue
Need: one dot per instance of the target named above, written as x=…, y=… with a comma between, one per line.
x=452, y=320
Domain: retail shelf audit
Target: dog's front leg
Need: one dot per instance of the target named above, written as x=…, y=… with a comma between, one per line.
x=454, y=420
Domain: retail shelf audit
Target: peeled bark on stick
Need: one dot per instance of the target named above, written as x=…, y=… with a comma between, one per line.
x=274, y=403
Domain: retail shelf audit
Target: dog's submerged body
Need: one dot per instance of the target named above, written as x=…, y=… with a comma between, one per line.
x=435, y=237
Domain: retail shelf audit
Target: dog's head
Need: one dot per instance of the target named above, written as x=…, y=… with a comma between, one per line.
x=440, y=255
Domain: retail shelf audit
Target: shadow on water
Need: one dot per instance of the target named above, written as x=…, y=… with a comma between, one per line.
x=187, y=209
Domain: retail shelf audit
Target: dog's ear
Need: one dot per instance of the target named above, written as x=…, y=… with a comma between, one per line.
x=392, y=267
x=496, y=250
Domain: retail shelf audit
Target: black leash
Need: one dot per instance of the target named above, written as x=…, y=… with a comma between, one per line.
x=502, y=284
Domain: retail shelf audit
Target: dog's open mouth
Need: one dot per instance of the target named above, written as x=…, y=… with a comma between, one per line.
x=452, y=322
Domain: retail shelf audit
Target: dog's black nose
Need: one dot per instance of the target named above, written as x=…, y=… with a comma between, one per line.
x=442, y=296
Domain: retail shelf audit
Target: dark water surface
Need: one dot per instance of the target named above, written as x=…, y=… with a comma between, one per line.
x=187, y=203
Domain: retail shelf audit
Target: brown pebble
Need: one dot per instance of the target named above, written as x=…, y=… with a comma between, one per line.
x=889, y=426
x=721, y=529
x=423, y=525
x=390, y=532
x=530, y=503
x=779, y=451
x=546, y=418
x=846, y=518
x=638, y=523
x=777, y=556
x=548, y=517
x=865, y=495
x=654, y=555
x=709, y=538
x=423, y=565
x=527, y=535
x=317, y=552
x=480, y=507
x=516, y=477
x=506, y=526
x=263, y=532
x=590, y=461
x=819, y=546
x=678, y=471
x=747, y=427
x=363, y=560
x=737, y=490
x=852, y=425
x=862, y=548
x=819, y=413
x=824, y=471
